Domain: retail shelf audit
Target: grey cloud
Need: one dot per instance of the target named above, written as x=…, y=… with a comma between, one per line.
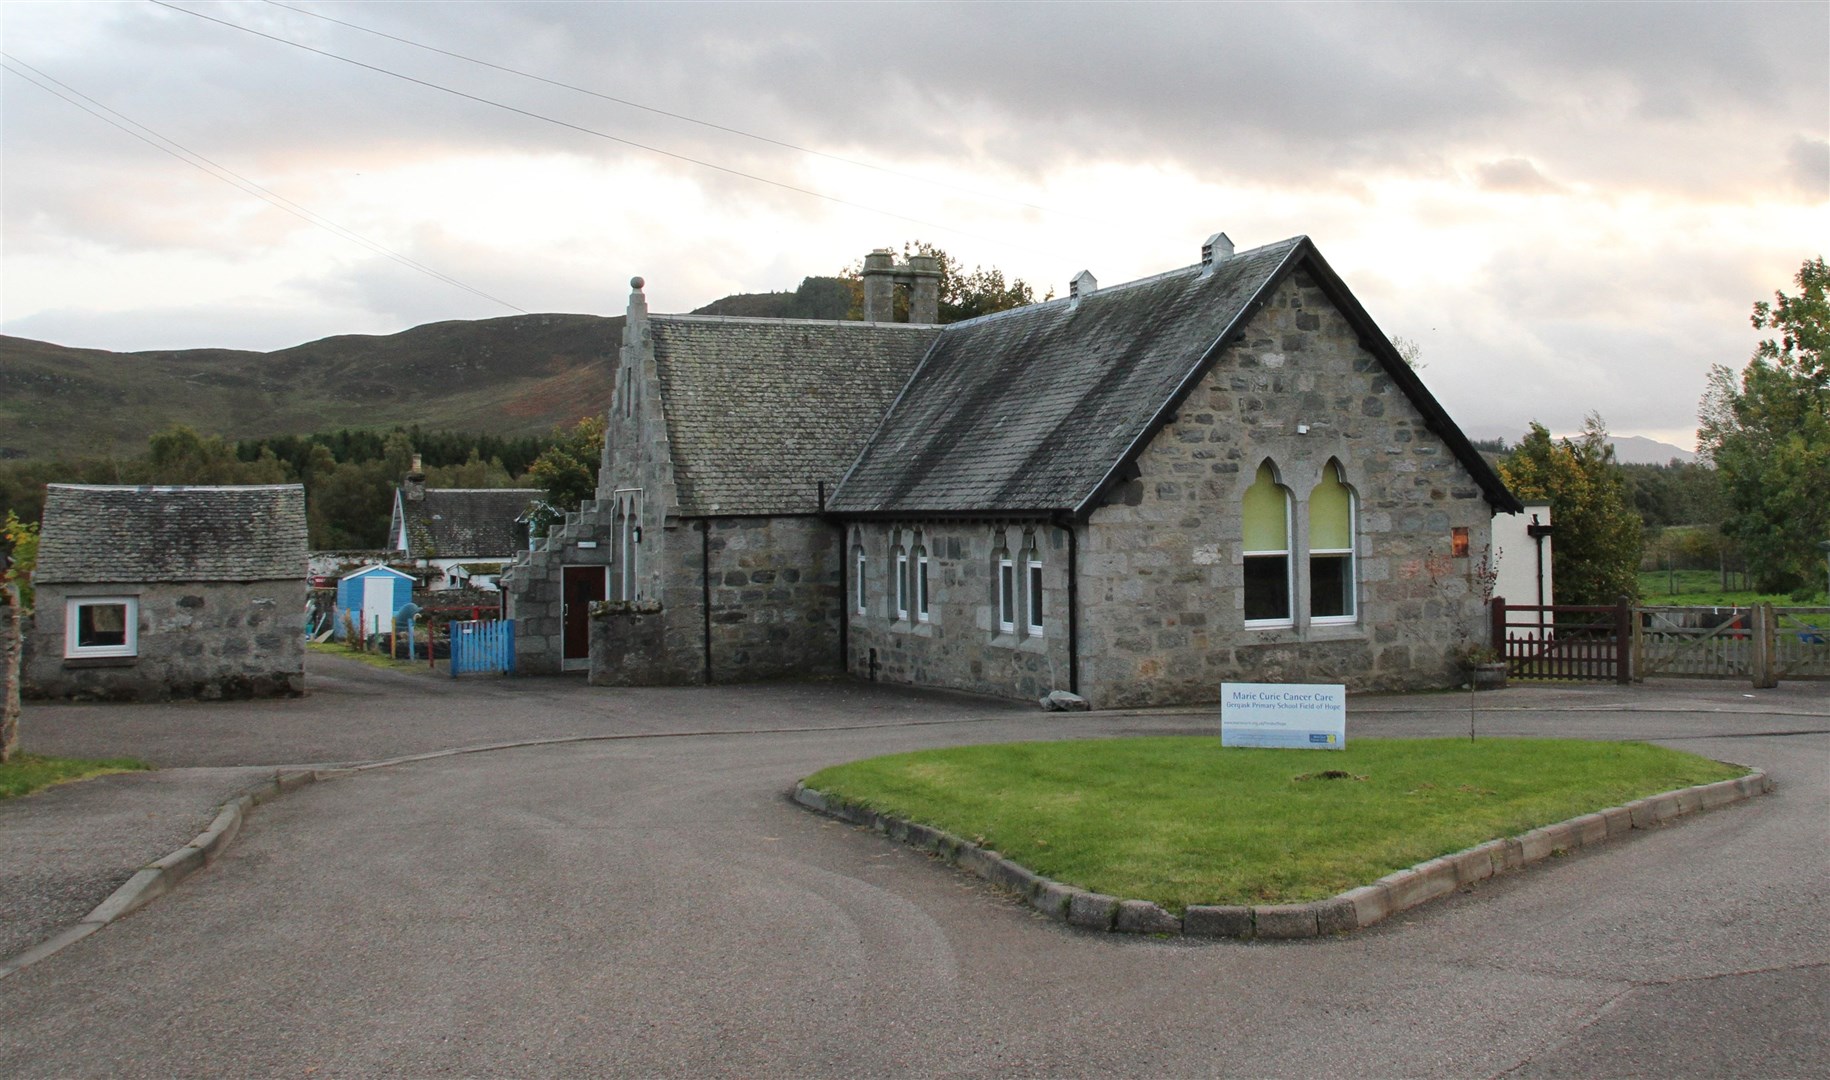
x=1808, y=166
x=1514, y=174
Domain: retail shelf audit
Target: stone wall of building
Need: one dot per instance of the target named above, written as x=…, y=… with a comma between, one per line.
x=961, y=644
x=629, y=647
x=532, y=587
x=775, y=597
x=205, y=640
x=1163, y=568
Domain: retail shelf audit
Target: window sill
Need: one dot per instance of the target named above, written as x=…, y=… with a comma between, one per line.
x=100, y=661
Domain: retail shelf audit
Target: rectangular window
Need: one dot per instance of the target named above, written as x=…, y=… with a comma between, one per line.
x=1007, y=595
x=1331, y=587
x=1267, y=589
x=101, y=626
x=902, y=584
x=859, y=579
x=1035, y=595
x=921, y=586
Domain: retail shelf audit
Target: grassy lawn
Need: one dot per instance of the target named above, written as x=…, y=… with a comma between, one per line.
x=380, y=660
x=1703, y=588
x=27, y=773
x=1181, y=821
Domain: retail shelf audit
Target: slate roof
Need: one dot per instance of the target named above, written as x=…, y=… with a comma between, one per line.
x=123, y=535
x=467, y=523
x=759, y=411
x=1037, y=409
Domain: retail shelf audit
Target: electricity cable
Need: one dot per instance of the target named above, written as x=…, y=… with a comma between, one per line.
x=228, y=176
x=580, y=128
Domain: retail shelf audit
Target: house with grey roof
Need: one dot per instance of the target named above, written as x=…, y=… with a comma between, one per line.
x=1133, y=493
x=463, y=536
x=151, y=593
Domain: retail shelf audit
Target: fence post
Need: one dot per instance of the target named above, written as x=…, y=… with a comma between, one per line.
x=1623, y=641
x=1763, y=648
x=1639, y=646
x=1496, y=621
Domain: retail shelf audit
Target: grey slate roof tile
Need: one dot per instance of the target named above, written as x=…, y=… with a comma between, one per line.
x=100, y=534
x=468, y=523
x=760, y=411
x=1028, y=409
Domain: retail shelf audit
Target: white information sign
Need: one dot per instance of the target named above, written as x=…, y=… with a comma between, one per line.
x=1309, y=716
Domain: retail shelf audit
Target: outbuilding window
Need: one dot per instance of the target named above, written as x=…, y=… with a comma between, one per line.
x=1007, y=592
x=96, y=626
x=921, y=579
x=1032, y=571
x=859, y=566
x=1267, y=551
x=902, y=584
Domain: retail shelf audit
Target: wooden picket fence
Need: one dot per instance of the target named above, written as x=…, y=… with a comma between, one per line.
x=1761, y=643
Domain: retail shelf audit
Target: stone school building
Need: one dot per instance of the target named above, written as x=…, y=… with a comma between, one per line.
x=1133, y=493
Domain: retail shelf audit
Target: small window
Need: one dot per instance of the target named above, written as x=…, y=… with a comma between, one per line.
x=101, y=626
x=902, y=584
x=859, y=566
x=1034, y=591
x=1266, y=522
x=921, y=583
x=1007, y=593
x=1458, y=541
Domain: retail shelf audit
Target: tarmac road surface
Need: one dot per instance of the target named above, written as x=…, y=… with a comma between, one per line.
x=652, y=905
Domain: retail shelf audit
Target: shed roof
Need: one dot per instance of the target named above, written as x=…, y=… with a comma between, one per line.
x=121, y=535
x=467, y=523
x=1037, y=409
x=760, y=411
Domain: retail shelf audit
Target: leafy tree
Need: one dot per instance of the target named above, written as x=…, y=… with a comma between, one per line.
x=1595, y=556
x=22, y=556
x=1676, y=493
x=567, y=471
x=1768, y=434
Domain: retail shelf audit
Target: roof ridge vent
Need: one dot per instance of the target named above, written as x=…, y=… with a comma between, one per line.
x=1217, y=249
x=1083, y=285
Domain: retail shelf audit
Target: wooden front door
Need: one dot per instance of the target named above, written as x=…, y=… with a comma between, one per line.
x=580, y=585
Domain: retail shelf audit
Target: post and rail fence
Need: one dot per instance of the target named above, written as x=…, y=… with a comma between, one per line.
x=1622, y=643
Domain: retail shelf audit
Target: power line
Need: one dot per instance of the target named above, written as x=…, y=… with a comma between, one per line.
x=680, y=116
x=221, y=172
x=727, y=170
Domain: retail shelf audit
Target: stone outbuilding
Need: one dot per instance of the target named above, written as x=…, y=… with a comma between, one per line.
x=151, y=593
x=1132, y=493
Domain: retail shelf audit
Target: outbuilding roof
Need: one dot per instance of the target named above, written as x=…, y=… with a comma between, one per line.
x=761, y=411
x=1038, y=409
x=465, y=523
x=121, y=535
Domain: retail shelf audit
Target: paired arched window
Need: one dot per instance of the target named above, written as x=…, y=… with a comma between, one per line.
x=1270, y=577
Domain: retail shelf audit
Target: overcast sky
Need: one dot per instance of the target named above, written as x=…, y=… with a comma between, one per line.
x=1569, y=208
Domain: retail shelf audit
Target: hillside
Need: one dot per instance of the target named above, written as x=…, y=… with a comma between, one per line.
x=519, y=375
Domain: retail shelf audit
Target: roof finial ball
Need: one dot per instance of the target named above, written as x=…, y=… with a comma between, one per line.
x=636, y=283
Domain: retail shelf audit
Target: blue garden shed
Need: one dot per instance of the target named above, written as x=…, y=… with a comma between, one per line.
x=372, y=595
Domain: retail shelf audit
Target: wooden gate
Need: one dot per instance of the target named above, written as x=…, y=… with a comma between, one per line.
x=1801, y=642
x=1574, y=642
x=483, y=645
x=1694, y=642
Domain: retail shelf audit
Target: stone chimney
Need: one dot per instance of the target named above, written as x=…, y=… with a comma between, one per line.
x=883, y=274
x=1218, y=249
x=415, y=487
x=1083, y=286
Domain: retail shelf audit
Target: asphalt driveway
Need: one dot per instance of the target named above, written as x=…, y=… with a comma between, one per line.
x=649, y=904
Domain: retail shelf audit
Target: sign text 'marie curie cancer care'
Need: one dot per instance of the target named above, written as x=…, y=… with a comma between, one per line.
x=1311, y=716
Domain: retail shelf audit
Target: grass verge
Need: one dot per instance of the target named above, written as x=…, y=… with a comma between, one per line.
x=1703, y=588
x=380, y=660
x=27, y=773
x=1180, y=821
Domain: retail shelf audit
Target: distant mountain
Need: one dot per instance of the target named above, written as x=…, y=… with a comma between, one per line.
x=817, y=298
x=1639, y=450
x=524, y=374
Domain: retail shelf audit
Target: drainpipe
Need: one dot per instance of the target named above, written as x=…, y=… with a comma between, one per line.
x=1538, y=532
x=705, y=590
x=1073, y=593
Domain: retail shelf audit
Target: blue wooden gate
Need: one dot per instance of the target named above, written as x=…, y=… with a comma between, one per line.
x=483, y=645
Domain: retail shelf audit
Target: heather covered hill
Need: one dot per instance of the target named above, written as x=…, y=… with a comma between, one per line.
x=524, y=374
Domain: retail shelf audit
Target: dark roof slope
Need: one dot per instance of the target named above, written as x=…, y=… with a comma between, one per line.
x=760, y=411
x=1036, y=409
x=468, y=523
x=132, y=534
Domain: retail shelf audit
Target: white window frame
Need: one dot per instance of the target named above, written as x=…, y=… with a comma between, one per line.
x=1032, y=587
x=921, y=584
x=1288, y=554
x=130, y=646
x=1006, y=593
x=902, y=584
x=1351, y=553
x=860, y=592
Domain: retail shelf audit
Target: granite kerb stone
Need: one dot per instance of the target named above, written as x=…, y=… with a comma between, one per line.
x=1355, y=909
